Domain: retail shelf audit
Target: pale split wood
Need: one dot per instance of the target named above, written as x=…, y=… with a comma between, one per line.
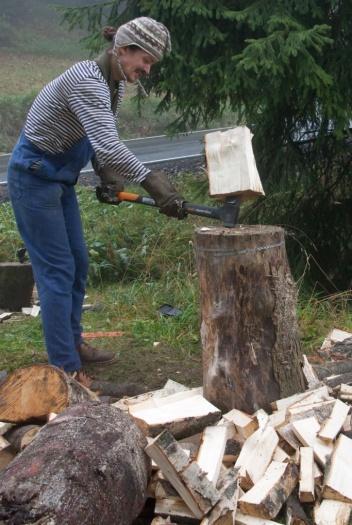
x=316, y=395
x=211, y=451
x=245, y=519
x=309, y=373
x=334, y=423
x=4, y=427
x=268, y=495
x=306, y=475
x=306, y=431
x=158, y=520
x=297, y=398
x=224, y=511
x=289, y=439
x=278, y=418
x=231, y=164
x=188, y=479
x=331, y=512
x=338, y=475
x=280, y=455
x=345, y=389
x=321, y=410
x=335, y=336
x=244, y=424
x=3, y=443
x=182, y=418
x=176, y=509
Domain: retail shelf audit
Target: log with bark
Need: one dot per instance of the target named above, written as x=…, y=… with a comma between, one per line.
x=251, y=348
x=35, y=391
x=87, y=465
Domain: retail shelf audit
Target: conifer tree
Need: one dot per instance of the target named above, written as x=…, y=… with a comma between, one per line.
x=284, y=67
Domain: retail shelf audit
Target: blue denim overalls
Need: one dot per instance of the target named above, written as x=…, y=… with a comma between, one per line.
x=41, y=188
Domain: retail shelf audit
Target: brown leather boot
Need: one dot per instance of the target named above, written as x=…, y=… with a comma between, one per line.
x=95, y=356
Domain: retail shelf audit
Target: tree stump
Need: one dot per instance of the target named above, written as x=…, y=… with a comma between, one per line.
x=35, y=391
x=249, y=330
x=87, y=465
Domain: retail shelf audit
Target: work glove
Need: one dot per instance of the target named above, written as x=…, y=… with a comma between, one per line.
x=107, y=193
x=165, y=195
x=111, y=184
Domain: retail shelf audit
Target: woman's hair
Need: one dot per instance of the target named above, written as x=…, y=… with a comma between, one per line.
x=109, y=33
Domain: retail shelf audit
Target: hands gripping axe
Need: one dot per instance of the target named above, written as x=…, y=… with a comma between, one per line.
x=227, y=213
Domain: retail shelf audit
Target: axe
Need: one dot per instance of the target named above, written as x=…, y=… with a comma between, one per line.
x=227, y=214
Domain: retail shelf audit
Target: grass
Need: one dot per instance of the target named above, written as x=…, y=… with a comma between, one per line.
x=139, y=261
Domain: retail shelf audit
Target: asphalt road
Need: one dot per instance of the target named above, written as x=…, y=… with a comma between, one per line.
x=150, y=150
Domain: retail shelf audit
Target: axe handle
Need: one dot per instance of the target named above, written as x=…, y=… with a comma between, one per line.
x=192, y=209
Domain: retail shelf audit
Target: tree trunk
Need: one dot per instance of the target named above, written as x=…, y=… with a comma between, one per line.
x=251, y=348
x=87, y=465
x=35, y=391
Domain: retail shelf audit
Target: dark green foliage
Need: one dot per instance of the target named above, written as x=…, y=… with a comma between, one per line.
x=283, y=66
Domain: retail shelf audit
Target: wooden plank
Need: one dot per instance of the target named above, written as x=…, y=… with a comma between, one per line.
x=231, y=164
x=211, y=451
x=306, y=431
x=182, y=418
x=267, y=496
x=245, y=425
x=335, y=422
x=306, y=475
x=187, y=478
x=338, y=476
x=331, y=512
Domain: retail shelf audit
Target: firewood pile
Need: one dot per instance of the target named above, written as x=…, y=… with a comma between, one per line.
x=292, y=464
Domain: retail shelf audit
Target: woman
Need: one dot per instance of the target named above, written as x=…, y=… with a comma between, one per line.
x=72, y=121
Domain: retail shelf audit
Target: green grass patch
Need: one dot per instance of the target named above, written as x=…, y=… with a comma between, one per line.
x=140, y=260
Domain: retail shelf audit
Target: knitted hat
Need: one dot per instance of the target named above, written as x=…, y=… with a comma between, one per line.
x=146, y=33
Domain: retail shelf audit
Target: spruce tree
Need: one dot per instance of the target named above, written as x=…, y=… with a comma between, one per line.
x=284, y=67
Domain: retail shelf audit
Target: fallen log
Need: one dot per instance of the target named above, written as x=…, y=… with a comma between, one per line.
x=86, y=466
x=330, y=368
x=21, y=437
x=35, y=391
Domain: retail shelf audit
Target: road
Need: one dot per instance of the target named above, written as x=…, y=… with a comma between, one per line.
x=150, y=150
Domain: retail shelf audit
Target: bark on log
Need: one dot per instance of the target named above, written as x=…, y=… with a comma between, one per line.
x=87, y=466
x=35, y=391
x=251, y=348
x=330, y=368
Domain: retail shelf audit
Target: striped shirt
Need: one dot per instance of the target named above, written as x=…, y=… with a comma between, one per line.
x=77, y=104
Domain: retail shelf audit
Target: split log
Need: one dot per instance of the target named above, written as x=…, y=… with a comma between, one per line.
x=335, y=422
x=267, y=496
x=231, y=166
x=21, y=437
x=330, y=368
x=306, y=431
x=185, y=475
x=338, y=475
x=251, y=348
x=211, y=451
x=295, y=514
x=35, y=391
x=224, y=511
x=331, y=512
x=86, y=466
x=306, y=477
x=244, y=519
x=245, y=425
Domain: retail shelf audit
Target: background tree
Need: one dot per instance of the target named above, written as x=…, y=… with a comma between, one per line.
x=284, y=67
